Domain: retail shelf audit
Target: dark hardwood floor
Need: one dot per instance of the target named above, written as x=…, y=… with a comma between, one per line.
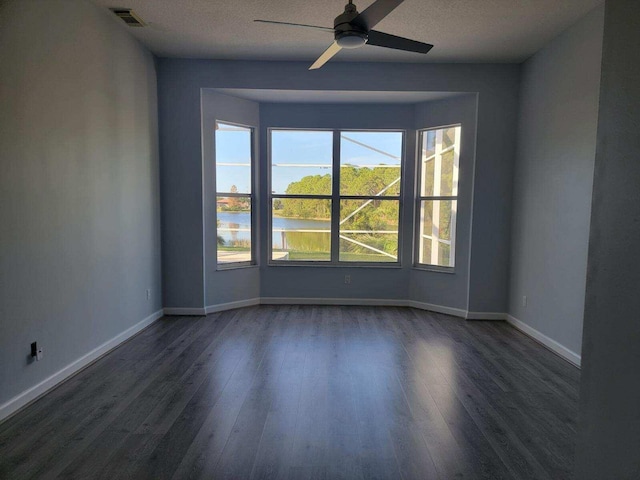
x=306, y=392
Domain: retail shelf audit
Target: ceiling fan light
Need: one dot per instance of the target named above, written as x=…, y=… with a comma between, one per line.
x=351, y=39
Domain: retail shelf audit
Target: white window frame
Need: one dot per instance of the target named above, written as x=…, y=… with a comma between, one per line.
x=252, y=198
x=335, y=198
x=436, y=198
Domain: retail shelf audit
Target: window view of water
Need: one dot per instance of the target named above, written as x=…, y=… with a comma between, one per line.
x=234, y=228
x=302, y=196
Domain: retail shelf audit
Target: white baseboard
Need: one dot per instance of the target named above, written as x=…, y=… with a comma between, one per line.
x=456, y=312
x=382, y=302
x=31, y=394
x=185, y=311
x=486, y=316
x=221, y=307
x=332, y=301
x=557, y=348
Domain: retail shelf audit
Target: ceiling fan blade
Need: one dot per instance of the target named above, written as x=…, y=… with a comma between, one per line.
x=326, y=56
x=296, y=25
x=380, y=39
x=374, y=13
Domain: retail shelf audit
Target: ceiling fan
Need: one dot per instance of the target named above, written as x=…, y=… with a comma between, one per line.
x=352, y=29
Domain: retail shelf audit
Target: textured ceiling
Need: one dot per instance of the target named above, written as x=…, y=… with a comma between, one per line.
x=461, y=30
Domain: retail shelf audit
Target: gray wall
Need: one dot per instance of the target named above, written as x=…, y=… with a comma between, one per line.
x=609, y=433
x=553, y=182
x=451, y=289
x=79, y=186
x=223, y=286
x=180, y=81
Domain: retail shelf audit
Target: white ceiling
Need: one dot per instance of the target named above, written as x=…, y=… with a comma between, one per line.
x=461, y=30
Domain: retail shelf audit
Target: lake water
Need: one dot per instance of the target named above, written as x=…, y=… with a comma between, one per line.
x=242, y=221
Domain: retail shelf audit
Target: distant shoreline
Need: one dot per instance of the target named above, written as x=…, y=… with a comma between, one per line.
x=302, y=218
x=278, y=216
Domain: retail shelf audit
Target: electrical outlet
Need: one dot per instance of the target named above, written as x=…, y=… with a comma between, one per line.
x=347, y=279
x=148, y=294
x=524, y=300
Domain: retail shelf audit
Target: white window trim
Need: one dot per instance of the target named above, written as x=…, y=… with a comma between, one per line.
x=253, y=262
x=436, y=198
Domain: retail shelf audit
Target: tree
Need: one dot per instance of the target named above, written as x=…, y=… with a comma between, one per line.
x=308, y=208
x=354, y=181
x=236, y=204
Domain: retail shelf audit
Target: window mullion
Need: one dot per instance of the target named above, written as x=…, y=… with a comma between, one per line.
x=252, y=199
x=454, y=191
x=422, y=181
x=435, y=212
x=335, y=199
x=237, y=194
x=299, y=196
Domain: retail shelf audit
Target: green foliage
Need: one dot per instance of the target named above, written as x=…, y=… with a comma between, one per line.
x=369, y=181
x=308, y=242
x=307, y=208
x=354, y=181
x=311, y=185
x=375, y=214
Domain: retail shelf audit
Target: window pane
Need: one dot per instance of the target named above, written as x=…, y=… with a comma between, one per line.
x=233, y=158
x=427, y=177
x=449, y=136
x=234, y=229
x=429, y=142
x=233, y=179
x=369, y=230
x=370, y=163
x=301, y=229
x=437, y=232
x=439, y=162
x=301, y=162
x=446, y=175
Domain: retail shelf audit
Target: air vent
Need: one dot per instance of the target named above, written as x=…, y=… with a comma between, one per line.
x=128, y=16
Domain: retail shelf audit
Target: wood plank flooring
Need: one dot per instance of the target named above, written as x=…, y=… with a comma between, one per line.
x=306, y=392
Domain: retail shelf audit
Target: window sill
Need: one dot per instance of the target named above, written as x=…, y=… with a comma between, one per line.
x=235, y=266
x=392, y=266
x=435, y=269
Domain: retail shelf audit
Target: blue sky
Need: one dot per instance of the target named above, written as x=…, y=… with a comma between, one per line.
x=299, y=148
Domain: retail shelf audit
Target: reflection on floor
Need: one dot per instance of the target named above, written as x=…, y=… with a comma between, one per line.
x=306, y=392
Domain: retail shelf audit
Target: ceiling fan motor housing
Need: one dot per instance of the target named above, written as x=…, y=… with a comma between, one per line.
x=347, y=34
